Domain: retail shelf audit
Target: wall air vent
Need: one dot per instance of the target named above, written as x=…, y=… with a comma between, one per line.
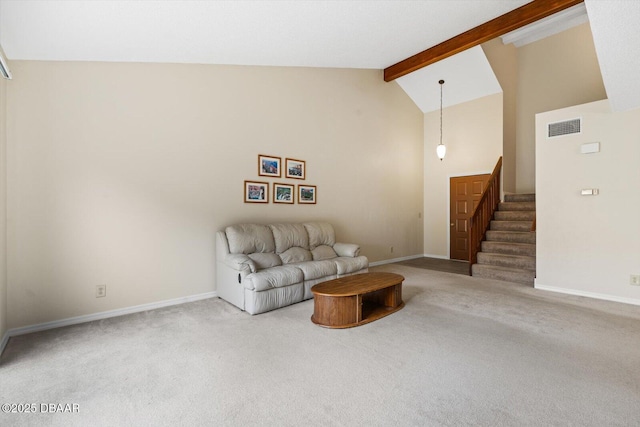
x=567, y=127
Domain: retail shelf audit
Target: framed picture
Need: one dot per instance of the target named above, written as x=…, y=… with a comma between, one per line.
x=283, y=193
x=269, y=166
x=295, y=168
x=256, y=192
x=306, y=194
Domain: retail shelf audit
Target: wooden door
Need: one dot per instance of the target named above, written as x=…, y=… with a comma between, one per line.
x=465, y=193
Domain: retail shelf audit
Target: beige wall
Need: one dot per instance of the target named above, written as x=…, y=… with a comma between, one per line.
x=504, y=62
x=472, y=132
x=3, y=210
x=556, y=72
x=589, y=244
x=120, y=174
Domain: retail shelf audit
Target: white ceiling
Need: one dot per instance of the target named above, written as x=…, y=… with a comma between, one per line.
x=614, y=25
x=467, y=75
x=311, y=33
x=344, y=34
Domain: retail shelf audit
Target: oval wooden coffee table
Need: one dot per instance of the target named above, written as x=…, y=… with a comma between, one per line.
x=355, y=300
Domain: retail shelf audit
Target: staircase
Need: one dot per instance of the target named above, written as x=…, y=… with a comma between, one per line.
x=508, y=251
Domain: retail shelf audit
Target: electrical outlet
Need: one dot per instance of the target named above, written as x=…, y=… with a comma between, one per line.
x=635, y=279
x=101, y=291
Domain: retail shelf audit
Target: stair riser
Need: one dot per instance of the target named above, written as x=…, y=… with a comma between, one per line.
x=517, y=206
x=514, y=215
x=485, y=271
x=519, y=197
x=510, y=225
x=508, y=248
x=509, y=261
x=511, y=236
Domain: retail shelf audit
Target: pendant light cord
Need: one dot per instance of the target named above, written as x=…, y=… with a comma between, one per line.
x=441, y=83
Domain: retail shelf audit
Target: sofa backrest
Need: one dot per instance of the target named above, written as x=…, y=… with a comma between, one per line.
x=250, y=238
x=276, y=244
x=320, y=233
x=292, y=242
x=289, y=235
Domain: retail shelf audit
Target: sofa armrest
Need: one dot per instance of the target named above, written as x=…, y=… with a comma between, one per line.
x=347, y=249
x=239, y=262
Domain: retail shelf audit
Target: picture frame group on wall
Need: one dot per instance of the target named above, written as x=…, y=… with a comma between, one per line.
x=282, y=193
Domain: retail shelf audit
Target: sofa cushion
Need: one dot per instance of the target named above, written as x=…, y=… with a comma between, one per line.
x=317, y=269
x=265, y=260
x=289, y=235
x=250, y=238
x=275, y=277
x=323, y=252
x=320, y=233
x=295, y=254
x=348, y=265
x=259, y=302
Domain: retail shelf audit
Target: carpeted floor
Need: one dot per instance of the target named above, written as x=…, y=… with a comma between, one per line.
x=463, y=351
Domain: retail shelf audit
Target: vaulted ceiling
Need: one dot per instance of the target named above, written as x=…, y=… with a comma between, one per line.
x=314, y=33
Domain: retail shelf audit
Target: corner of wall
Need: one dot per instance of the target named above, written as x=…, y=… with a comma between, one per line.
x=503, y=59
x=3, y=217
x=556, y=72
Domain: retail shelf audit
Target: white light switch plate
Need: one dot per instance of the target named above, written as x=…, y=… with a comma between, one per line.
x=591, y=147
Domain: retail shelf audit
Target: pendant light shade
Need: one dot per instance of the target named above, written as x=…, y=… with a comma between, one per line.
x=441, y=149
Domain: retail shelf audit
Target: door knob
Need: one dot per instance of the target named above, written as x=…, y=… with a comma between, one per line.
x=452, y=224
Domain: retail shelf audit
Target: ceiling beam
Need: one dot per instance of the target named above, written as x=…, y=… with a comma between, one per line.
x=497, y=27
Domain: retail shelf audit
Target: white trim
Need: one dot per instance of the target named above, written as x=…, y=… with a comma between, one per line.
x=391, y=261
x=594, y=295
x=106, y=314
x=436, y=256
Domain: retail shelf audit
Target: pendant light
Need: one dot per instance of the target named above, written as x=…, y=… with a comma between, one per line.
x=441, y=150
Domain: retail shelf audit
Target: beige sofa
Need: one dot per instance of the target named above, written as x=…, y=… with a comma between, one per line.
x=263, y=267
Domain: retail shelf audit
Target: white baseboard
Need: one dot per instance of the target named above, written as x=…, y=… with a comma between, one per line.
x=102, y=315
x=391, y=261
x=436, y=256
x=594, y=295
